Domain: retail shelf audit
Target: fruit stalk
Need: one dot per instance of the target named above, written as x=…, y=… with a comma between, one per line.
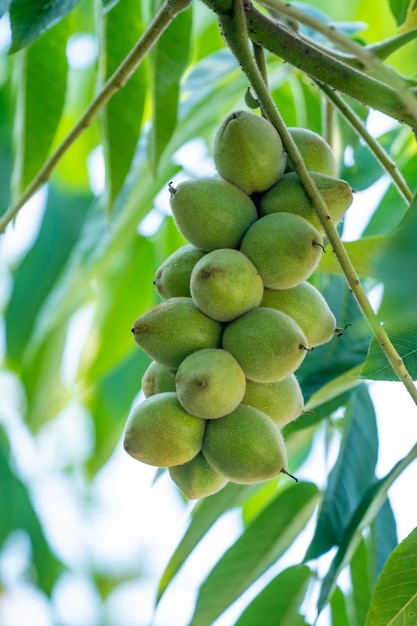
x=234, y=28
x=168, y=11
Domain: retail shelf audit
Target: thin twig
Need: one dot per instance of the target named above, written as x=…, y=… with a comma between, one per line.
x=162, y=19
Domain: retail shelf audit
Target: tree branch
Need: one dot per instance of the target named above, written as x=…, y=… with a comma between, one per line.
x=160, y=22
x=299, y=52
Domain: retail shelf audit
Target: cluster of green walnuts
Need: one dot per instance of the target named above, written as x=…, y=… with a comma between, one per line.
x=238, y=314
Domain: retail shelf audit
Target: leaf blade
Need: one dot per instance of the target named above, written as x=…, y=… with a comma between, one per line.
x=263, y=542
x=29, y=20
x=122, y=117
x=394, y=602
x=42, y=69
x=168, y=62
x=352, y=473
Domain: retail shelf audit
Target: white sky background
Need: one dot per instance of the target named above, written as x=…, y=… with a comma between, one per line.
x=137, y=522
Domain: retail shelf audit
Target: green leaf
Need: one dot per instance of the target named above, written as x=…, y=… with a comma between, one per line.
x=109, y=403
x=383, y=537
x=362, y=253
x=399, y=9
x=169, y=59
x=368, y=508
x=336, y=387
x=338, y=609
x=404, y=339
x=205, y=513
x=362, y=582
x=393, y=267
x=263, y=542
x=279, y=602
x=351, y=475
x=40, y=269
x=29, y=20
x=41, y=69
x=395, y=599
x=18, y=513
x=122, y=117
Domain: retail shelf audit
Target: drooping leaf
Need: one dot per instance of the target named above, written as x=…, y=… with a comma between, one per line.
x=29, y=20
x=338, y=608
x=109, y=403
x=368, y=508
x=362, y=582
x=34, y=278
x=393, y=267
x=279, y=602
x=351, y=475
x=169, y=59
x=383, y=538
x=122, y=117
x=17, y=513
x=266, y=538
x=41, y=378
x=205, y=513
x=41, y=87
x=395, y=598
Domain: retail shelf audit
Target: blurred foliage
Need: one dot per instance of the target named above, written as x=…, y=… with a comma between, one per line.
x=85, y=271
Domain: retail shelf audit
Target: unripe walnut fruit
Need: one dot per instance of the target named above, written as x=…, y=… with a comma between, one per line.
x=288, y=195
x=315, y=151
x=197, y=478
x=210, y=383
x=172, y=278
x=160, y=432
x=173, y=329
x=246, y=446
x=248, y=152
x=267, y=344
x=305, y=304
x=226, y=284
x=211, y=213
x=285, y=249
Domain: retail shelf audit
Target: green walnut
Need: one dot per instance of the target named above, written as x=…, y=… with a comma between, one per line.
x=285, y=249
x=225, y=284
x=248, y=152
x=211, y=213
x=267, y=344
x=315, y=151
x=157, y=379
x=288, y=195
x=282, y=401
x=306, y=305
x=172, y=278
x=197, y=478
x=210, y=383
x=160, y=432
x=173, y=329
x=245, y=446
